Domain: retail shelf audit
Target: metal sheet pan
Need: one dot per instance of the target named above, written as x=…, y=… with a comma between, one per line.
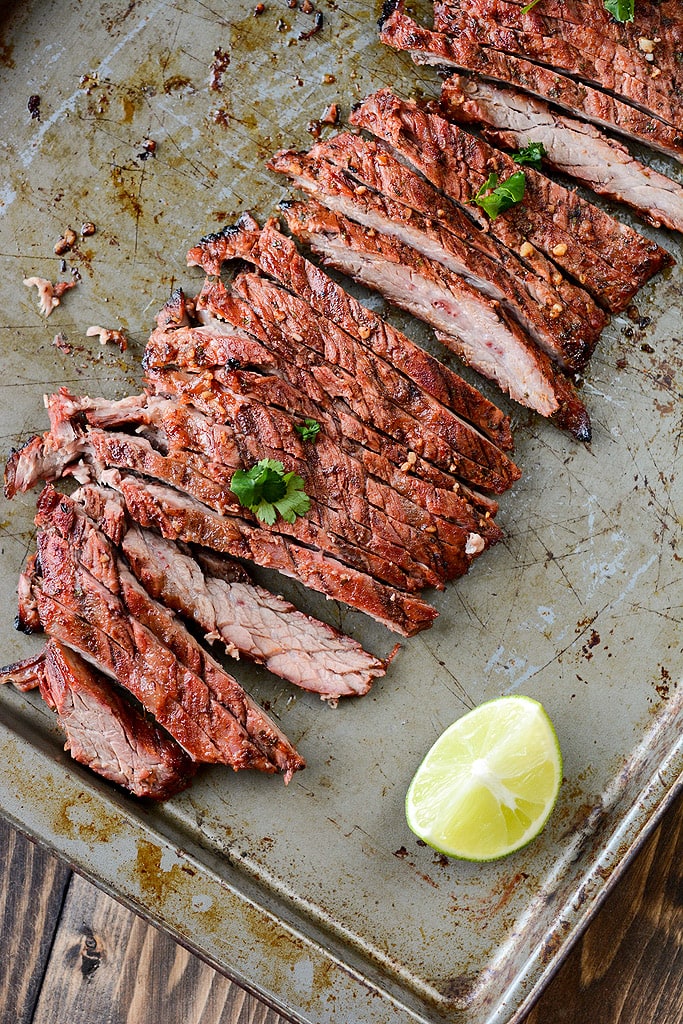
x=317, y=897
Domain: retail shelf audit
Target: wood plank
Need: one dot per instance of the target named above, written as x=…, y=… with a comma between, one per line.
x=628, y=968
x=109, y=966
x=32, y=887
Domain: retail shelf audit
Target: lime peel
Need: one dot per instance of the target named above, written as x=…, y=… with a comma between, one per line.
x=488, y=785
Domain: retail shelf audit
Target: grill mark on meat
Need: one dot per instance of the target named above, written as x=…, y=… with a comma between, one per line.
x=209, y=482
x=260, y=626
x=615, y=69
x=185, y=427
x=400, y=413
x=107, y=733
x=652, y=20
x=166, y=669
x=335, y=479
x=563, y=337
x=477, y=332
x=374, y=546
x=513, y=120
x=280, y=313
x=178, y=517
x=221, y=598
x=610, y=259
x=277, y=257
x=427, y=47
x=373, y=165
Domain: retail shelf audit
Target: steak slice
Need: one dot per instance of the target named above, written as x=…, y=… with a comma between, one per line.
x=277, y=257
x=250, y=621
x=562, y=337
x=179, y=517
x=89, y=601
x=590, y=57
x=579, y=150
x=109, y=734
x=558, y=300
x=610, y=259
x=476, y=331
x=462, y=54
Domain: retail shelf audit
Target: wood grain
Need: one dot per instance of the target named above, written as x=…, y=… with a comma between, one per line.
x=628, y=967
x=32, y=887
x=108, y=966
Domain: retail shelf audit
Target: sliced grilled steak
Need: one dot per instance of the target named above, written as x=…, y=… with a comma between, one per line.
x=277, y=257
x=182, y=518
x=513, y=120
x=590, y=57
x=462, y=54
x=109, y=734
x=562, y=337
x=89, y=601
x=325, y=528
x=41, y=458
x=653, y=19
x=475, y=330
x=252, y=622
x=375, y=395
x=558, y=300
x=408, y=488
x=610, y=259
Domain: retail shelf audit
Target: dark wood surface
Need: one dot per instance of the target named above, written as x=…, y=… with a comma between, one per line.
x=69, y=954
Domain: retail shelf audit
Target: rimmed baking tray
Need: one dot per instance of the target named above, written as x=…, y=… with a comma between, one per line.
x=317, y=896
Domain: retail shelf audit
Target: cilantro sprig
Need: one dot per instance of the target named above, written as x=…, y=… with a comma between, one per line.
x=266, y=489
x=531, y=154
x=621, y=10
x=496, y=197
x=309, y=430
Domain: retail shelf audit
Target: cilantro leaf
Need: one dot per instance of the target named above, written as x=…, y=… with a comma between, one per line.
x=309, y=430
x=525, y=10
x=266, y=489
x=621, y=10
x=495, y=197
x=531, y=154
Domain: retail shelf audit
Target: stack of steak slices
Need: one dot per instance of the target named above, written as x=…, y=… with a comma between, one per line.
x=559, y=75
x=402, y=475
x=521, y=298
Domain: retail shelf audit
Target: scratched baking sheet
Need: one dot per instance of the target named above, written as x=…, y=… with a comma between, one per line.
x=317, y=896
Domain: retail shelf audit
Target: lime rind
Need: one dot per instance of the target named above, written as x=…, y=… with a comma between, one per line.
x=489, y=783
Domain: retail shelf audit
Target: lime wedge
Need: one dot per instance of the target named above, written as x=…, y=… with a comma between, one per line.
x=487, y=786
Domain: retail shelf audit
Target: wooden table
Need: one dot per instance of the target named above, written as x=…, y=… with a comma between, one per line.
x=69, y=954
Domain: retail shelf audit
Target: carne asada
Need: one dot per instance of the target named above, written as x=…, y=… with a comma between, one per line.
x=561, y=336
x=88, y=599
x=466, y=321
x=277, y=256
x=463, y=54
x=513, y=120
x=610, y=259
x=181, y=517
x=589, y=56
x=376, y=168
